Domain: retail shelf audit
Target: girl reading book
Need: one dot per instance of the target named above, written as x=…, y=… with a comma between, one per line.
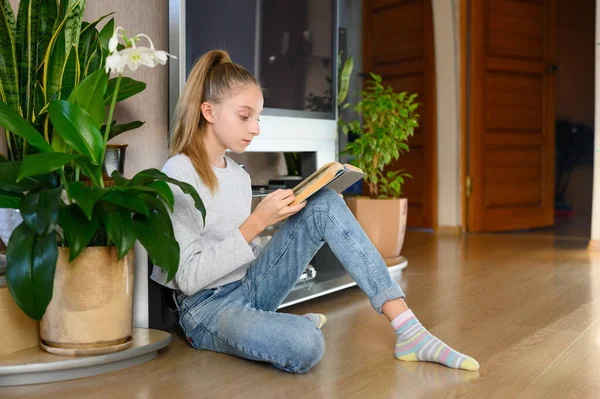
x=227, y=288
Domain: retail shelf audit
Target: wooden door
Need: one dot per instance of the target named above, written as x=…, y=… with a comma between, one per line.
x=398, y=45
x=511, y=110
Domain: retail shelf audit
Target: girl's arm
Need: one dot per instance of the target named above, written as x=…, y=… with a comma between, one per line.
x=271, y=210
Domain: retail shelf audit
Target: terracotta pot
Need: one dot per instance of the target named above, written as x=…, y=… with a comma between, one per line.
x=384, y=221
x=91, y=311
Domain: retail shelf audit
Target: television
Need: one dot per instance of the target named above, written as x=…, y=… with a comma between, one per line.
x=291, y=46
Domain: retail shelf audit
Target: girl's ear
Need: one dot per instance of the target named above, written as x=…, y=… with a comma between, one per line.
x=208, y=111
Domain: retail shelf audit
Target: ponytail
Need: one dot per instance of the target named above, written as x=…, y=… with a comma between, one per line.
x=211, y=79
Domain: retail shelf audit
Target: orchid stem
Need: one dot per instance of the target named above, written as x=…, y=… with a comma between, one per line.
x=110, y=115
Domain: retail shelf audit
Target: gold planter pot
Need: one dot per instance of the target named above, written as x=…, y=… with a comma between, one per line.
x=91, y=311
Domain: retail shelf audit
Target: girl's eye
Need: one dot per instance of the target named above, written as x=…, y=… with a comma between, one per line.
x=258, y=119
x=244, y=117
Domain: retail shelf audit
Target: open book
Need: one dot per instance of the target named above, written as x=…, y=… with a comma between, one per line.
x=332, y=175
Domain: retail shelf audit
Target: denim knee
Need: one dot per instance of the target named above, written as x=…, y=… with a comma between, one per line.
x=306, y=350
x=325, y=196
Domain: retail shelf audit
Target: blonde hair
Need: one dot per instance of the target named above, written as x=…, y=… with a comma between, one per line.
x=212, y=78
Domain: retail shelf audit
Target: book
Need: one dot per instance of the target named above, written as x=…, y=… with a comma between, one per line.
x=333, y=175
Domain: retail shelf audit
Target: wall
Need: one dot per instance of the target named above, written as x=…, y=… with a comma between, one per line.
x=148, y=144
x=575, y=34
x=446, y=40
x=595, y=236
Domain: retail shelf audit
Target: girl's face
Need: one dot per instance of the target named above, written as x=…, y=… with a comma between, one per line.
x=235, y=120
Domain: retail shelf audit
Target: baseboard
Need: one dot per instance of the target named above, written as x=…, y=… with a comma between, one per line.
x=448, y=230
x=594, y=245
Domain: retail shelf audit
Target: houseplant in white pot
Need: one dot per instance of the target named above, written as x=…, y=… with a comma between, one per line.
x=388, y=121
x=69, y=263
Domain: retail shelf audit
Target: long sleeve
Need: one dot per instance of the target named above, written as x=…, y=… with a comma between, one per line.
x=216, y=253
x=204, y=261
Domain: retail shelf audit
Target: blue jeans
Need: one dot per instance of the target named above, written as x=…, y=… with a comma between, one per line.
x=240, y=318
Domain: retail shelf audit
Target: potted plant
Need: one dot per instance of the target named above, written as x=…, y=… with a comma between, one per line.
x=46, y=52
x=388, y=121
x=69, y=262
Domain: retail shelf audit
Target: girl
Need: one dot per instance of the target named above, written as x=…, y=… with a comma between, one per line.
x=227, y=290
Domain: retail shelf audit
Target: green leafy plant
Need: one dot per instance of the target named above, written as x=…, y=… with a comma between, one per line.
x=389, y=120
x=59, y=209
x=47, y=52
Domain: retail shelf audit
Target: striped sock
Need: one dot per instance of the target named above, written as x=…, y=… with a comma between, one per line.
x=415, y=343
x=317, y=318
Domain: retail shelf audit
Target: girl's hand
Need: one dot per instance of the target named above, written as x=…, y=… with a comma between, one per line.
x=275, y=207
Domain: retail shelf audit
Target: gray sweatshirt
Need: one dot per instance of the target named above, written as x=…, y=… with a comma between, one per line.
x=216, y=253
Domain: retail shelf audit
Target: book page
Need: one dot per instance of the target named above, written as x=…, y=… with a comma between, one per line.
x=315, y=182
x=300, y=187
x=336, y=176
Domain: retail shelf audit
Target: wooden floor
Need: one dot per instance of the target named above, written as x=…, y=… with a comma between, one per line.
x=526, y=307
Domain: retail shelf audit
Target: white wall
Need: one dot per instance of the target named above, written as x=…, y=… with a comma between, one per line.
x=447, y=57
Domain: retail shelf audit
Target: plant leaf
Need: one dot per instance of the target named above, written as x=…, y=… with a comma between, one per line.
x=26, y=49
x=47, y=19
x=9, y=172
x=156, y=205
x=78, y=230
x=162, y=249
x=30, y=265
x=345, y=80
x=70, y=73
x=86, y=196
x=10, y=200
x=77, y=128
x=115, y=130
x=120, y=230
x=87, y=43
x=89, y=94
x=164, y=191
x=119, y=179
x=46, y=162
x=60, y=44
x=147, y=176
x=73, y=23
x=105, y=35
x=39, y=210
x=158, y=187
x=93, y=172
x=127, y=200
x=8, y=57
x=128, y=88
x=12, y=122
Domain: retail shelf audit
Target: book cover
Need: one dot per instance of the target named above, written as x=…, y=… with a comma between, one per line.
x=332, y=175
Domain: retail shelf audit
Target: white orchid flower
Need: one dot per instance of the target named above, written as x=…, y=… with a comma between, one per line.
x=114, y=40
x=133, y=56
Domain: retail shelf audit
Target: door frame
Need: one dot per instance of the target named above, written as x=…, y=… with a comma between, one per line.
x=464, y=114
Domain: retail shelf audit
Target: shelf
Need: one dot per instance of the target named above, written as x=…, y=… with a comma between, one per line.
x=34, y=366
x=328, y=281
